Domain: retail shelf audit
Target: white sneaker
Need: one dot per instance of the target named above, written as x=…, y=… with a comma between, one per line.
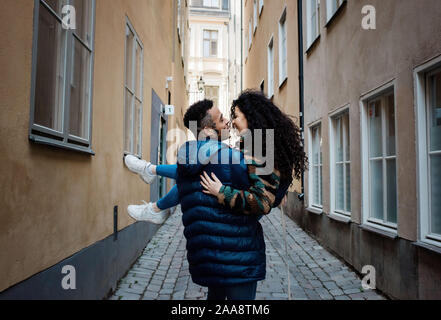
x=140, y=167
x=145, y=212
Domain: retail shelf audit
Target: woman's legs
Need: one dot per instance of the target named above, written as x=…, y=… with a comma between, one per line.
x=170, y=200
x=166, y=170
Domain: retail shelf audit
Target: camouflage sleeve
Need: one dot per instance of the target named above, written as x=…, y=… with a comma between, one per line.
x=258, y=200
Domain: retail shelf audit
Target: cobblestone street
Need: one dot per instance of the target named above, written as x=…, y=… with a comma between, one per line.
x=161, y=272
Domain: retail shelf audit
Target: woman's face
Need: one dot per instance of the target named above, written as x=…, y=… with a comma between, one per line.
x=239, y=122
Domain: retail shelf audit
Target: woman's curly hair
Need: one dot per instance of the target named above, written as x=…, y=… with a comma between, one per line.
x=261, y=113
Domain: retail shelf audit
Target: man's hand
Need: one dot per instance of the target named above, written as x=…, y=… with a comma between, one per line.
x=210, y=186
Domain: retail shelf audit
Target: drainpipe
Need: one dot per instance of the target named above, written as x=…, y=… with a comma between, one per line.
x=301, y=86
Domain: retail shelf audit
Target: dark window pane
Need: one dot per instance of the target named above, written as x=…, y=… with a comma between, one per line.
x=225, y=4
x=435, y=178
x=50, y=75
x=130, y=42
x=80, y=92
x=56, y=5
x=435, y=112
x=391, y=191
x=128, y=114
x=83, y=10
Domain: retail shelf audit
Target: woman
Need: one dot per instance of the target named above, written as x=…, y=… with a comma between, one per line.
x=250, y=113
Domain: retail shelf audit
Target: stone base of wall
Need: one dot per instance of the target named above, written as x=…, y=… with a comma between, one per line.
x=404, y=270
x=98, y=268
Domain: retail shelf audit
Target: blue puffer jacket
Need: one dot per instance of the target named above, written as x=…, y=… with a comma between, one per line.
x=223, y=248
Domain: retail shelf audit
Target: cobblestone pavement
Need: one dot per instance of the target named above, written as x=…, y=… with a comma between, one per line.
x=161, y=272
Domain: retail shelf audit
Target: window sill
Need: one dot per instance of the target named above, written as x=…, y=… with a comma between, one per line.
x=313, y=45
x=336, y=13
x=427, y=246
x=60, y=144
x=283, y=82
x=339, y=218
x=384, y=233
x=316, y=211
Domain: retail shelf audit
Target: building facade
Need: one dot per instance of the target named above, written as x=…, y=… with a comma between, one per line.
x=372, y=84
x=77, y=95
x=271, y=64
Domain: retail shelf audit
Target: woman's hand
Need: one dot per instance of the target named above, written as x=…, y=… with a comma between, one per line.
x=210, y=186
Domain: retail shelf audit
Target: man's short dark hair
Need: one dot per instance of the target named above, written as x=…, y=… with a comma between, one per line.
x=199, y=112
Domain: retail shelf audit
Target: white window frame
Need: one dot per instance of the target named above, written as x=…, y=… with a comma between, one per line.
x=210, y=40
x=329, y=8
x=283, y=48
x=129, y=27
x=421, y=74
x=317, y=208
x=250, y=34
x=255, y=16
x=261, y=4
x=365, y=178
x=46, y=135
x=270, y=68
x=332, y=118
x=310, y=9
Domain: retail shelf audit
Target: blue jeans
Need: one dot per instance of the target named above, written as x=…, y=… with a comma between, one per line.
x=246, y=291
x=171, y=199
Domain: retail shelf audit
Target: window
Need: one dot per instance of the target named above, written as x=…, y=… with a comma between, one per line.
x=133, y=93
x=428, y=93
x=255, y=15
x=210, y=43
x=211, y=3
x=179, y=20
x=340, y=164
x=316, y=193
x=379, y=163
x=212, y=93
x=225, y=5
x=313, y=21
x=282, y=49
x=270, y=69
x=250, y=34
x=332, y=7
x=260, y=7
x=62, y=77
x=434, y=149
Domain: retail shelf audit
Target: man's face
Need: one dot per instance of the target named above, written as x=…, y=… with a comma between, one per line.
x=218, y=118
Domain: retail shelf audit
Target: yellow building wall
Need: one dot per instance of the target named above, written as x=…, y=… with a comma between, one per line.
x=55, y=202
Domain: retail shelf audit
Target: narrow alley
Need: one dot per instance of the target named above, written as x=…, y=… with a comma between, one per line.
x=161, y=272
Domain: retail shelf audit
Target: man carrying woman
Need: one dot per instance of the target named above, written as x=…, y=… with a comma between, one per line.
x=222, y=203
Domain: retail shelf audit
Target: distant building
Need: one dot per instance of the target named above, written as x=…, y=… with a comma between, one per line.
x=214, y=52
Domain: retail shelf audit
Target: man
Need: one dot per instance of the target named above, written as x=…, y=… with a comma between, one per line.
x=207, y=121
